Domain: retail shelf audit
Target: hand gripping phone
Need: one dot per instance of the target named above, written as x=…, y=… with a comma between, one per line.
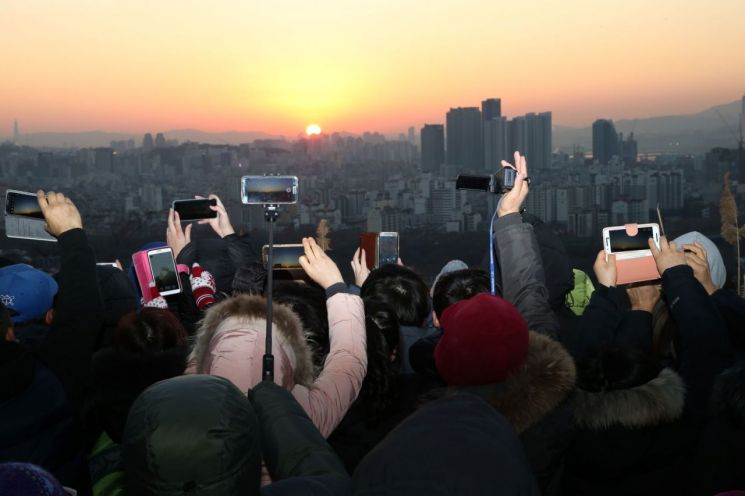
x=634, y=260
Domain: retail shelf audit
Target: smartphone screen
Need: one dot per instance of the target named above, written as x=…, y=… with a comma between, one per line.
x=283, y=256
x=261, y=190
x=620, y=241
x=388, y=248
x=195, y=209
x=164, y=272
x=23, y=204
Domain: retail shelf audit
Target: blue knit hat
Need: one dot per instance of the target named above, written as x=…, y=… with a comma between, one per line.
x=27, y=292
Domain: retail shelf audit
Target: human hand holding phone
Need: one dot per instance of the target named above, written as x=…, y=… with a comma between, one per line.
x=176, y=237
x=667, y=255
x=220, y=224
x=359, y=267
x=605, y=269
x=318, y=265
x=512, y=201
x=60, y=213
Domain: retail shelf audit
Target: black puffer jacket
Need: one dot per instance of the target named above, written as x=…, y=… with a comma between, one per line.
x=456, y=445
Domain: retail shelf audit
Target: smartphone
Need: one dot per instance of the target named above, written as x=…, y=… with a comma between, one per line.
x=369, y=243
x=163, y=270
x=196, y=209
x=269, y=190
x=624, y=243
x=283, y=256
x=387, y=248
x=23, y=204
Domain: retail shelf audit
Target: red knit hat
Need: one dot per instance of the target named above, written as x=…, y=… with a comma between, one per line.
x=485, y=338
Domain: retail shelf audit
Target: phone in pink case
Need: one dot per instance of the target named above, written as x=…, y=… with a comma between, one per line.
x=145, y=276
x=630, y=244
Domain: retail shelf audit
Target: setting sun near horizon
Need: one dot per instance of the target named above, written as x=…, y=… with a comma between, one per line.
x=313, y=130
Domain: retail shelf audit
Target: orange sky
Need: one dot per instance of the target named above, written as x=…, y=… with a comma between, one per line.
x=278, y=65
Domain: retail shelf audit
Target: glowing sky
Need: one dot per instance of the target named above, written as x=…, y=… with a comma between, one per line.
x=278, y=65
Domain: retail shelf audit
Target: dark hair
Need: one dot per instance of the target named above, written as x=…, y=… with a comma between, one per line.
x=309, y=303
x=402, y=289
x=457, y=286
x=380, y=388
x=153, y=329
x=5, y=321
x=617, y=367
x=250, y=279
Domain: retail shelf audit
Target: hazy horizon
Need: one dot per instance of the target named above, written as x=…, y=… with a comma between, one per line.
x=380, y=66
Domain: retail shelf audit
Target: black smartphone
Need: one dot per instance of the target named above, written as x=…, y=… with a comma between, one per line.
x=283, y=256
x=22, y=204
x=196, y=209
x=387, y=248
x=269, y=190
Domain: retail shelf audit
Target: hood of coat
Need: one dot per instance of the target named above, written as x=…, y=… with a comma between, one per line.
x=541, y=384
x=192, y=434
x=455, y=445
x=660, y=400
x=230, y=342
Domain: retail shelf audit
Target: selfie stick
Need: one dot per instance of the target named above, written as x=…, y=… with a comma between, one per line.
x=271, y=212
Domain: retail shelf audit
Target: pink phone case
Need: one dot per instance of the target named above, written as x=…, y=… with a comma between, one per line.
x=636, y=269
x=145, y=276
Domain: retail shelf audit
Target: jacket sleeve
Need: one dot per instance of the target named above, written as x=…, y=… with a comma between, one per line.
x=597, y=325
x=291, y=445
x=340, y=381
x=79, y=314
x=240, y=251
x=523, y=279
x=703, y=344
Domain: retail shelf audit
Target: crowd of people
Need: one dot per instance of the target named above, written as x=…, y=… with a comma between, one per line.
x=548, y=384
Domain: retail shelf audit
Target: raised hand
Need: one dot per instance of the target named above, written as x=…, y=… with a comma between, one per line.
x=696, y=258
x=176, y=237
x=318, y=265
x=60, y=213
x=513, y=200
x=605, y=269
x=359, y=267
x=667, y=255
x=644, y=296
x=220, y=224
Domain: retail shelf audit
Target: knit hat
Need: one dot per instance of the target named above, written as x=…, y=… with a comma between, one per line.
x=28, y=480
x=27, y=292
x=485, y=339
x=449, y=267
x=713, y=257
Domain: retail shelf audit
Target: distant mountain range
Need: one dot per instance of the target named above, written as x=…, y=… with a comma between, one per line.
x=690, y=133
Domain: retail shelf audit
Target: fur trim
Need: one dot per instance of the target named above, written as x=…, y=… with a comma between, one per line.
x=541, y=384
x=250, y=311
x=660, y=400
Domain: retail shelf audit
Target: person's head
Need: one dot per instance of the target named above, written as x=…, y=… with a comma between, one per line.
x=28, y=293
x=152, y=329
x=6, y=325
x=485, y=340
x=250, y=279
x=194, y=434
x=457, y=286
x=400, y=288
x=717, y=271
x=617, y=367
x=28, y=480
x=309, y=303
x=379, y=389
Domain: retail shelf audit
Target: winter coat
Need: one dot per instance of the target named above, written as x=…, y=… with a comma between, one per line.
x=230, y=343
x=639, y=440
x=119, y=298
x=201, y=435
x=457, y=445
x=221, y=257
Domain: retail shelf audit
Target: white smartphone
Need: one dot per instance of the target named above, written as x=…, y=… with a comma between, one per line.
x=163, y=269
x=632, y=242
x=387, y=248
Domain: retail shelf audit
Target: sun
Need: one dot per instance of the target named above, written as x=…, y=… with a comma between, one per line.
x=313, y=130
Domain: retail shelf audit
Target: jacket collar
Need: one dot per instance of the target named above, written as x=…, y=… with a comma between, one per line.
x=543, y=382
x=249, y=312
x=659, y=400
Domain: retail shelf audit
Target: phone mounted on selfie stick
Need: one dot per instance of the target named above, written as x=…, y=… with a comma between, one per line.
x=271, y=212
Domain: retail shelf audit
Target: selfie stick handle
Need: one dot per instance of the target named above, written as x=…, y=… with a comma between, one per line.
x=271, y=212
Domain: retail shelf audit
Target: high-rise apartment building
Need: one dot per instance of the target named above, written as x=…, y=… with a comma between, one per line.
x=464, y=148
x=491, y=108
x=604, y=141
x=538, y=132
x=147, y=142
x=495, y=143
x=433, y=147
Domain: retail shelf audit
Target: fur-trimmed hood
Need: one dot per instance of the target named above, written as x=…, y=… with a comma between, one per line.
x=540, y=385
x=659, y=400
x=230, y=343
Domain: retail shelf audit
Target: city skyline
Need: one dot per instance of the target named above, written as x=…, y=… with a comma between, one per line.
x=278, y=67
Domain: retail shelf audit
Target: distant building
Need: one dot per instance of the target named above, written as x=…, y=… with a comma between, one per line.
x=628, y=150
x=103, y=159
x=491, y=108
x=742, y=119
x=433, y=147
x=495, y=142
x=464, y=137
x=517, y=136
x=604, y=141
x=147, y=142
x=17, y=133
x=412, y=135
x=160, y=141
x=538, y=129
